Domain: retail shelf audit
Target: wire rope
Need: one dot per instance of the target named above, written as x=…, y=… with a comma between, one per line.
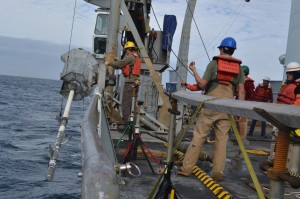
x=71, y=35
x=171, y=48
x=197, y=29
x=229, y=24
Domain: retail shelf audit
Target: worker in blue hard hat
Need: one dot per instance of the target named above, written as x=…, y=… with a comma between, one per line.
x=221, y=77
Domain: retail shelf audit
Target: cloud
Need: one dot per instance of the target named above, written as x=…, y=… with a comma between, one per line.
x=260, y=28
x=48, y=21
x=31, y=58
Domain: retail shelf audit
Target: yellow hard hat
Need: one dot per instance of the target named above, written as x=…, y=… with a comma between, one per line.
x=129, y=44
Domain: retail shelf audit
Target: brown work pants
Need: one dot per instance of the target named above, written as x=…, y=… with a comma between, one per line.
x=242, y=126
x=127, y=100
x=206, y=120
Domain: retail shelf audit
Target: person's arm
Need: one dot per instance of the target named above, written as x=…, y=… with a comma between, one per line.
x=271, y=95
x=297, y=94
x=252, y=92
x=241, y=91
x=193, y=87
x=119, y=64
x=201, y=82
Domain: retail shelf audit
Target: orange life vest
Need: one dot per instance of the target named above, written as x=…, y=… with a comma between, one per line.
x=193, y=87
x=286, y=94
x=228, y=68
x=134, y=69
x=263, y=94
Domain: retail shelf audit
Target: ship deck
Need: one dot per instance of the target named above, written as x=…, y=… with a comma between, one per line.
x=237, y=182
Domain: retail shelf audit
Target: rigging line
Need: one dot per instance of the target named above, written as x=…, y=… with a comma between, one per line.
x=175, y=72
x=171, y=48
x=231, y=21
x=71, y=31
x=181, y=62
x=225, y=25
x=234, y=20
x=198, y=29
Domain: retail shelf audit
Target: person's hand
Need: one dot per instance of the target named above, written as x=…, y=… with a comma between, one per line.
x=106, y=62
x=137, y=82
x=116, y=59
x=239, y=119
x=192, y=66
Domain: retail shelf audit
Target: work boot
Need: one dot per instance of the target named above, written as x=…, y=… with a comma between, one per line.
x=121, y=127
x=264, y=166
x=182, y=173
x=218, y=177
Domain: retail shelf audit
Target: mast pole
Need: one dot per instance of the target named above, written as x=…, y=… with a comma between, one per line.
x=293, y=43
x=183, y=54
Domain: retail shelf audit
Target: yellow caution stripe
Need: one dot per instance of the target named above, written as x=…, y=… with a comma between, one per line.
x=216, y=188
x=258, y=152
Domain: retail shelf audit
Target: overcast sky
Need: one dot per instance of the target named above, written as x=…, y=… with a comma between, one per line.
x=35, y=33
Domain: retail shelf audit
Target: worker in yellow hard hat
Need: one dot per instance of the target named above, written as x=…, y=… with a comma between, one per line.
x=131, y=69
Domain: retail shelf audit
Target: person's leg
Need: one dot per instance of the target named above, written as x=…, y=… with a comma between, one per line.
x=252, y=126
x=219, y=157
x=200, y=132
x=242, y=127
x=126, y=102
x=263, y=128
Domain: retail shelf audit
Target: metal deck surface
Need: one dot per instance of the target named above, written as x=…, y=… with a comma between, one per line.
x=237, y=178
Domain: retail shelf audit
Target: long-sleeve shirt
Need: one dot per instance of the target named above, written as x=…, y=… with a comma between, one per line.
x=193, y=87
x=120, y=64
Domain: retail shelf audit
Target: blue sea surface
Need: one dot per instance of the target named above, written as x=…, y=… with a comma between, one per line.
x=28, y=108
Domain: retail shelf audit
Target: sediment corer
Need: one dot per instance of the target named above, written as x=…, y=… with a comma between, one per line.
x=60, y=139
x=79, y=73
x=78, y=76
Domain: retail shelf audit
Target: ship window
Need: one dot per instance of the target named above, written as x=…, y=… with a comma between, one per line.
x=99, y=45
x=101, y=24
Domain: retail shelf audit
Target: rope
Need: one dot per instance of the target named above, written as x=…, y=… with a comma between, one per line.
x=71, y=33
x=232, y=21
x=198, y=29
x=171, y=48
x=246, y=158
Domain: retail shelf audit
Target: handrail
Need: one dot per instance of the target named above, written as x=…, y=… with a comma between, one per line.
x=99, y=176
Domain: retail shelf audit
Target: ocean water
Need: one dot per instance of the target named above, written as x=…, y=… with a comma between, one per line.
x=28, y=108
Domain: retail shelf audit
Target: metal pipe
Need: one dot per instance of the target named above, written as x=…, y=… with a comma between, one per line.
x=281, y=153
x=171, y=135
x=277, y=189
x=149, y=124
x=59, y=138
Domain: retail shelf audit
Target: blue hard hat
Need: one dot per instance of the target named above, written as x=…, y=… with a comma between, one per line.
x=228, y=42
